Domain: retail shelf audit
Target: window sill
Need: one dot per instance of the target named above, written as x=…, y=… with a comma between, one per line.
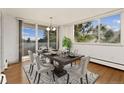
x=100, y=44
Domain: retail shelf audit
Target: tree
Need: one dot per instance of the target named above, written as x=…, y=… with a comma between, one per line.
x=87, y=27
x=103, y=28
x=28, y=40
x=109, y=34
x=40, y=40
x=52, y=36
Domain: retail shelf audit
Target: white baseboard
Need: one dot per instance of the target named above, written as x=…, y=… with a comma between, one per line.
x=117, y=66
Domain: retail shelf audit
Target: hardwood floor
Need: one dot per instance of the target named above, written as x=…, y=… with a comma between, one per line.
x=108, y=75
x=16, y=75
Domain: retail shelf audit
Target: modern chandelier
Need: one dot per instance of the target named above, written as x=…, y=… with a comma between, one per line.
x=51, y=27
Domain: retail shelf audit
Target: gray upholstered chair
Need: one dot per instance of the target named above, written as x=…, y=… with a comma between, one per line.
x=42, y=71
x=31, y=56
x=79, y=72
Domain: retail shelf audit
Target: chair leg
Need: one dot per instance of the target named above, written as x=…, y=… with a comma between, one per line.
x=38, y=78
x=81, y=80
x=35, y=76
x=71, y=64
x=53, y=75
x=1, y=81
x=87, y=78
x=67, y=78
x=32, y=67
x=47, y=73
x=75, y=62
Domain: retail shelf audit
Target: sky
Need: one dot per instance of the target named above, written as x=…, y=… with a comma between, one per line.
x=30, y=33
x=111, y=22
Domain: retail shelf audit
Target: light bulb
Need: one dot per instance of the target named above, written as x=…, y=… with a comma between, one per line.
x=48, y=29
x=54, y=29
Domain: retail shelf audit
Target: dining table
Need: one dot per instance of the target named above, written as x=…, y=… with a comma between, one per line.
x=62, y=61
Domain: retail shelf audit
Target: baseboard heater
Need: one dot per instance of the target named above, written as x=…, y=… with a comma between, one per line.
x=107, y=61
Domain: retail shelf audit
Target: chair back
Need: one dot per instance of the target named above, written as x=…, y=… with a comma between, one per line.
x=40, y=64
x=37, y=60
x=84, y=64
x=31, y=56
x=75, y=52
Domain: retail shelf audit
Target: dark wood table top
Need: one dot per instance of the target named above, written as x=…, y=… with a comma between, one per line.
x=62, y=60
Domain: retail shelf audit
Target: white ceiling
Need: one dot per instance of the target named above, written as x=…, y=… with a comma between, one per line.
x=60, y=16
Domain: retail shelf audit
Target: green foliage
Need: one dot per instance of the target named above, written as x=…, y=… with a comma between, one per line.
x=109, y=34
x=52, y=36
x=82, y=32
x=103, y=28
x=42, y=40
x=85, y=38
x=67, y=43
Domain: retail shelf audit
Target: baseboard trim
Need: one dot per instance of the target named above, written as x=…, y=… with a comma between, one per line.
x=107, y=61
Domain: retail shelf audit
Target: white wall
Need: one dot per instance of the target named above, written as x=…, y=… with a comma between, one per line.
x=109, y=53
x=0, y=44
x=10, y=39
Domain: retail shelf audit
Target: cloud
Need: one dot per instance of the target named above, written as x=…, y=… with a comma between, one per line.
x=116, y=21
x=116, y=28
x=25, y=34
x=108, y=27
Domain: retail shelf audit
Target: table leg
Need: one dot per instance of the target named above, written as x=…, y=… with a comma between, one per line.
x=59, y=71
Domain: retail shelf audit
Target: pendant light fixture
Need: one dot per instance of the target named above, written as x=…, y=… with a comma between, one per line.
x=51, y=27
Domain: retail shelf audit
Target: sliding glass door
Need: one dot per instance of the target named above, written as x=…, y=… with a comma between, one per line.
x=52, y=39
x=42, y=36
x=28, y=38
x=35, y=36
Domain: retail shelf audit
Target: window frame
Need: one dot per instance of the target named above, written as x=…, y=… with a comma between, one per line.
x=98, y=18
x=36, y=27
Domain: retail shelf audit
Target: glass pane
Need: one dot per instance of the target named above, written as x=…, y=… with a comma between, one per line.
x=42, y=37
x=110, y=29
x=52, y=39
x=28, y=39
x=86, y=32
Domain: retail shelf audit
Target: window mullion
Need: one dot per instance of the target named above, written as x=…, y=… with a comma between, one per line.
x=36, y=37
x=48, y=40
x=98, y=31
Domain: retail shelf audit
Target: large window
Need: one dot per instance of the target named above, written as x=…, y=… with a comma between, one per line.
x=52, y=39
x=110, y=29
x=42, y=36
x=86, y=32
x=36, y=36
x=28, y=38
x=103, y=30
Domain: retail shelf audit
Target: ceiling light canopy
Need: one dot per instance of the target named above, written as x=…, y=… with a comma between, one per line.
x=51, y=27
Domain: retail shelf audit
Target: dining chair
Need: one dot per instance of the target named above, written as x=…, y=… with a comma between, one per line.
x=42, y=57
x=76, y=53
x=73, y=64
x=42, y=70
x=32, y=62
x=80, y=72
